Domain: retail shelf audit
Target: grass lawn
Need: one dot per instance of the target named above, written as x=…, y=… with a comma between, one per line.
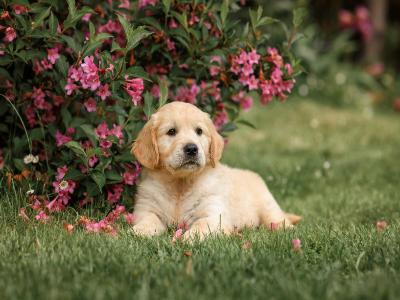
x=338, y=168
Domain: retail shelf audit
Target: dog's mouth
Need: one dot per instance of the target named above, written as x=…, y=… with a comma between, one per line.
x=190, y=164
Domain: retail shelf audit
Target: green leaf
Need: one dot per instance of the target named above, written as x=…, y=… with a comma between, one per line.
x=224, y=11
x=78, y=150
x=71, y=8
x=247, y=123
x=163, y=92
x=182, y=19
x=299, y=14
x=228, y=127
x=38, y=21
x=53, y=23
x=133, y=36
x=148, y=104
x=71, y=43
x=99, y=178
x=89, y=131
x=137, y=71
x=113, y=177
x=167, y=5
x=62, y=65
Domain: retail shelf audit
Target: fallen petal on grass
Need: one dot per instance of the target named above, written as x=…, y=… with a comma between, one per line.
x=381, y=225
x=296, y=245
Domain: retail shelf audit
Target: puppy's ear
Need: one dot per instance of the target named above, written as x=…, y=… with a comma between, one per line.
x=145, y=148
x=216, y=145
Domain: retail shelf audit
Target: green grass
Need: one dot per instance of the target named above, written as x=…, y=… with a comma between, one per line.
x=343, y=256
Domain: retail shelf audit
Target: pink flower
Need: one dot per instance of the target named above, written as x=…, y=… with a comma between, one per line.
x=105, y=144
x=172, y=24
x=155, y=91
x=186, y=94
x=220, y=119
x=42, y=217
x=289, y=69
x=70, y=87
x=178, y=235
x=346, y=18
x=61, y=171
x=253, y=57
x=10, y=35
x=90, y=105
x=20, y=9
x=275, y=57
x=53, y=55
x=296, y=245
x=102, y=130
x=61, y=139
x=117, y=131
x=134, y=87
x=214, y=70
x=114, y=193
x=103, y=92
x=92, y=161
x=124, y=4
x=144, y=3
x=381, y=225
x=71, y=131
x=170, y=44
x=246, y=102
x=38, y=98
x=86, y=17
x=129, y=218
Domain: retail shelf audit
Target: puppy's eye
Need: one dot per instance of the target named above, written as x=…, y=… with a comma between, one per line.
x=172, y=132
x=199, y=131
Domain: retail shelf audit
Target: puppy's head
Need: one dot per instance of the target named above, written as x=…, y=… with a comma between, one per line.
x=180, y=138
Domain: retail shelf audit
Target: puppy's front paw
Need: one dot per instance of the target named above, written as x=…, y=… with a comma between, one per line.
x=145, y=230
x=192, y=235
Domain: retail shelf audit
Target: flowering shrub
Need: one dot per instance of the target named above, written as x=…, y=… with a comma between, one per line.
x=80, y=79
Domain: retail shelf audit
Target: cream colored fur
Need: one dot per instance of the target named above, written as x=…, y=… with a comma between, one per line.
x=208, y=196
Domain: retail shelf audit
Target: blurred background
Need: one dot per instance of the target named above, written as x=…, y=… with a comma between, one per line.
x=349, y=50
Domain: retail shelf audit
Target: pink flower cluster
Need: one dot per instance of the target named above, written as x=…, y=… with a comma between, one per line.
x=210, y=89
x=221, y=116
x=103, y=133
x=47, y=63
x=245, y=101
x=40, y=105
x=360, y=21
x=87, y=77
x=242, y=65
x=62, y=139
x=277, y=85
x=144, y=3
x=187, y=94
x=63, y=189
x=20, y=9
x=134, y=87
x=114, y=27
x=215, y=68
x=131, y=173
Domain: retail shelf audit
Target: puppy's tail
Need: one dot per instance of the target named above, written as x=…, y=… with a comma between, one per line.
x=294, y=219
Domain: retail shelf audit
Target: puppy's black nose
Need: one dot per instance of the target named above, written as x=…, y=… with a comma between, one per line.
x=190, y=150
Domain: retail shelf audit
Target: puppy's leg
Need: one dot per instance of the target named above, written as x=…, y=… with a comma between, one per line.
x=205, y=226
x=273, y=217
x=148, y=224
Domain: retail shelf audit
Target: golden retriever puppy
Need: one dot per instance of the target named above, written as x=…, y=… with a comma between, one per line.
x=183, y=181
